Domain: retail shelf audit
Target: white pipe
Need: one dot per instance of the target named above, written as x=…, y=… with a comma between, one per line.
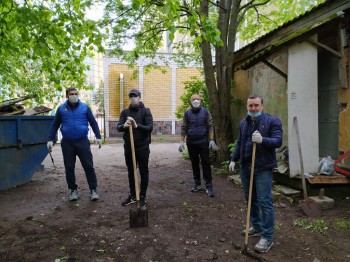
x=121, y=91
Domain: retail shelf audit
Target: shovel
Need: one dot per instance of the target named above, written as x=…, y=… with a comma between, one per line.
x=249, y=198
x=309, y=207
x=138, y=216
x=245, y=250
x=52, y=159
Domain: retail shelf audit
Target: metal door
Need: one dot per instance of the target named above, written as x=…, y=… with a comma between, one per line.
x=328, y=109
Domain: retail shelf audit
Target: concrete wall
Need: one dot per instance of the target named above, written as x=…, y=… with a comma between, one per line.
x=303, y=103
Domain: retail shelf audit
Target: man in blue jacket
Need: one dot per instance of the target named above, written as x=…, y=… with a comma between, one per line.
x=266, y=131
x=74, y=118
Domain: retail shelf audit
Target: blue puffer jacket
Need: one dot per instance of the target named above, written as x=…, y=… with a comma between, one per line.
x=270, y=128
x=74, y=122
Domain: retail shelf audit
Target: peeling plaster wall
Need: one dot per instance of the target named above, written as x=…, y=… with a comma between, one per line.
x=268, y=84
x=272, y=87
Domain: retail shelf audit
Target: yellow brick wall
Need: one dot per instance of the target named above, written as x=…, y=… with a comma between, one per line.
x=157, y=92
x=183, y=75
x=114, y=87
x=157, y=89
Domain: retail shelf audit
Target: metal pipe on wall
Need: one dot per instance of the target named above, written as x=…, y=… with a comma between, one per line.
x=121, y=82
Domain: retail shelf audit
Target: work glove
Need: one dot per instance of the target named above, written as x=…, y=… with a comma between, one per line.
x=99, y=142
x=49, y=146
x=231, y=167
x=182, y=146
x=132, y=121
x=257, y=138
x=127, y=124
x=212, y=145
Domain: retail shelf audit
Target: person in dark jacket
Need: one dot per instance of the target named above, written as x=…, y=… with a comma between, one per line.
x=141, y=120
x=197, y=127
x=74, y=118
x=266, y=131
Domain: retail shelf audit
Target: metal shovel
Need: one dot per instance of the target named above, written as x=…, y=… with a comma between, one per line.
x=309, y=207
x=52, y=159
x=138, y=216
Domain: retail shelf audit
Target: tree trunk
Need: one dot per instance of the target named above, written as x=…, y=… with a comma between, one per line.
x=219, y=87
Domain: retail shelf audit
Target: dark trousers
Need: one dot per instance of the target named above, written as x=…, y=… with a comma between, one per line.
x=201, y=151
x=142, y=156
x=81, y=148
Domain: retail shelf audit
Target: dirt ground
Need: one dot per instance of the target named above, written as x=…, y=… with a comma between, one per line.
x=38, y=223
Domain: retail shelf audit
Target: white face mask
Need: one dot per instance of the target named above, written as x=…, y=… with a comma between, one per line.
x=134, y=100
x=73, y=99
x=196, y=103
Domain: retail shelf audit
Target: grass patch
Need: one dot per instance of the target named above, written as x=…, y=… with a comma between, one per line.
x=342, y=223
x=317, y=225
x=187, y=207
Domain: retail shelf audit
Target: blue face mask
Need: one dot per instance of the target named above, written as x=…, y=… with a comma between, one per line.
x=254, y=115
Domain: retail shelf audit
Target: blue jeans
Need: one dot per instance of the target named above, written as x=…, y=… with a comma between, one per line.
x=262, y=213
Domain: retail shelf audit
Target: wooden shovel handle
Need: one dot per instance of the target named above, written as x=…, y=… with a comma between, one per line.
x=295, y=119
x=250, y=197
x=137, y=190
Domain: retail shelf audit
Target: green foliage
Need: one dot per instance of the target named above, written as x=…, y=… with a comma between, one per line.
x=193, y=86
x=43, y=46
x=99, y=97
x=266, y=18
x=223, y=169
x=318, y=225
x=342, y=223
x=185, y=154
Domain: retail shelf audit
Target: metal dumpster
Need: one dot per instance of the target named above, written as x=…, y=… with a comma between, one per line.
x=22, y=147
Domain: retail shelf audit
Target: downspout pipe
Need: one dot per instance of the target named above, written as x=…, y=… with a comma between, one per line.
x=121, y=82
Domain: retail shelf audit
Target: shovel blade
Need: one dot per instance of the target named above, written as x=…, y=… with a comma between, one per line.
x=139, y=217
x=310, y=208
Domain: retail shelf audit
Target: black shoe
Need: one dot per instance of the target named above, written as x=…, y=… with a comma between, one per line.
x=143, y=202
x=209, y=190
x=196, y=187
x=129, y=200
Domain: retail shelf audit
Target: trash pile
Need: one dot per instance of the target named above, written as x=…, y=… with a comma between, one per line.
x=14, y=107
x=327, y=166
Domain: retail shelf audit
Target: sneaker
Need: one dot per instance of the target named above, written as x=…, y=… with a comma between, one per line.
x=73, y=196
x=263, y=246
x=143, y=202
x=94, y=195
x=209, y=190
x=129, y=200
x=251, y=232
x=196, y=187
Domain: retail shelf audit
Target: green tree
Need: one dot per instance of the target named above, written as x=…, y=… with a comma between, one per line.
x=212, y=27
x=99, y=97
x=193, y=86
x=43, y=45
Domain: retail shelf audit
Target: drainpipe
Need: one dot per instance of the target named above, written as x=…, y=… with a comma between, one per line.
x=121, y=91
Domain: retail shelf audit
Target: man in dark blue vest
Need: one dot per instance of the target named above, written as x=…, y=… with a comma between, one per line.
x=74, y=118
x=197, y=127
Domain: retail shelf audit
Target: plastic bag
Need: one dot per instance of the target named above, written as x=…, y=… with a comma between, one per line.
x=326, y=166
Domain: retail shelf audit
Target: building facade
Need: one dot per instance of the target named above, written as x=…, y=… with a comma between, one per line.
x=160, y=87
